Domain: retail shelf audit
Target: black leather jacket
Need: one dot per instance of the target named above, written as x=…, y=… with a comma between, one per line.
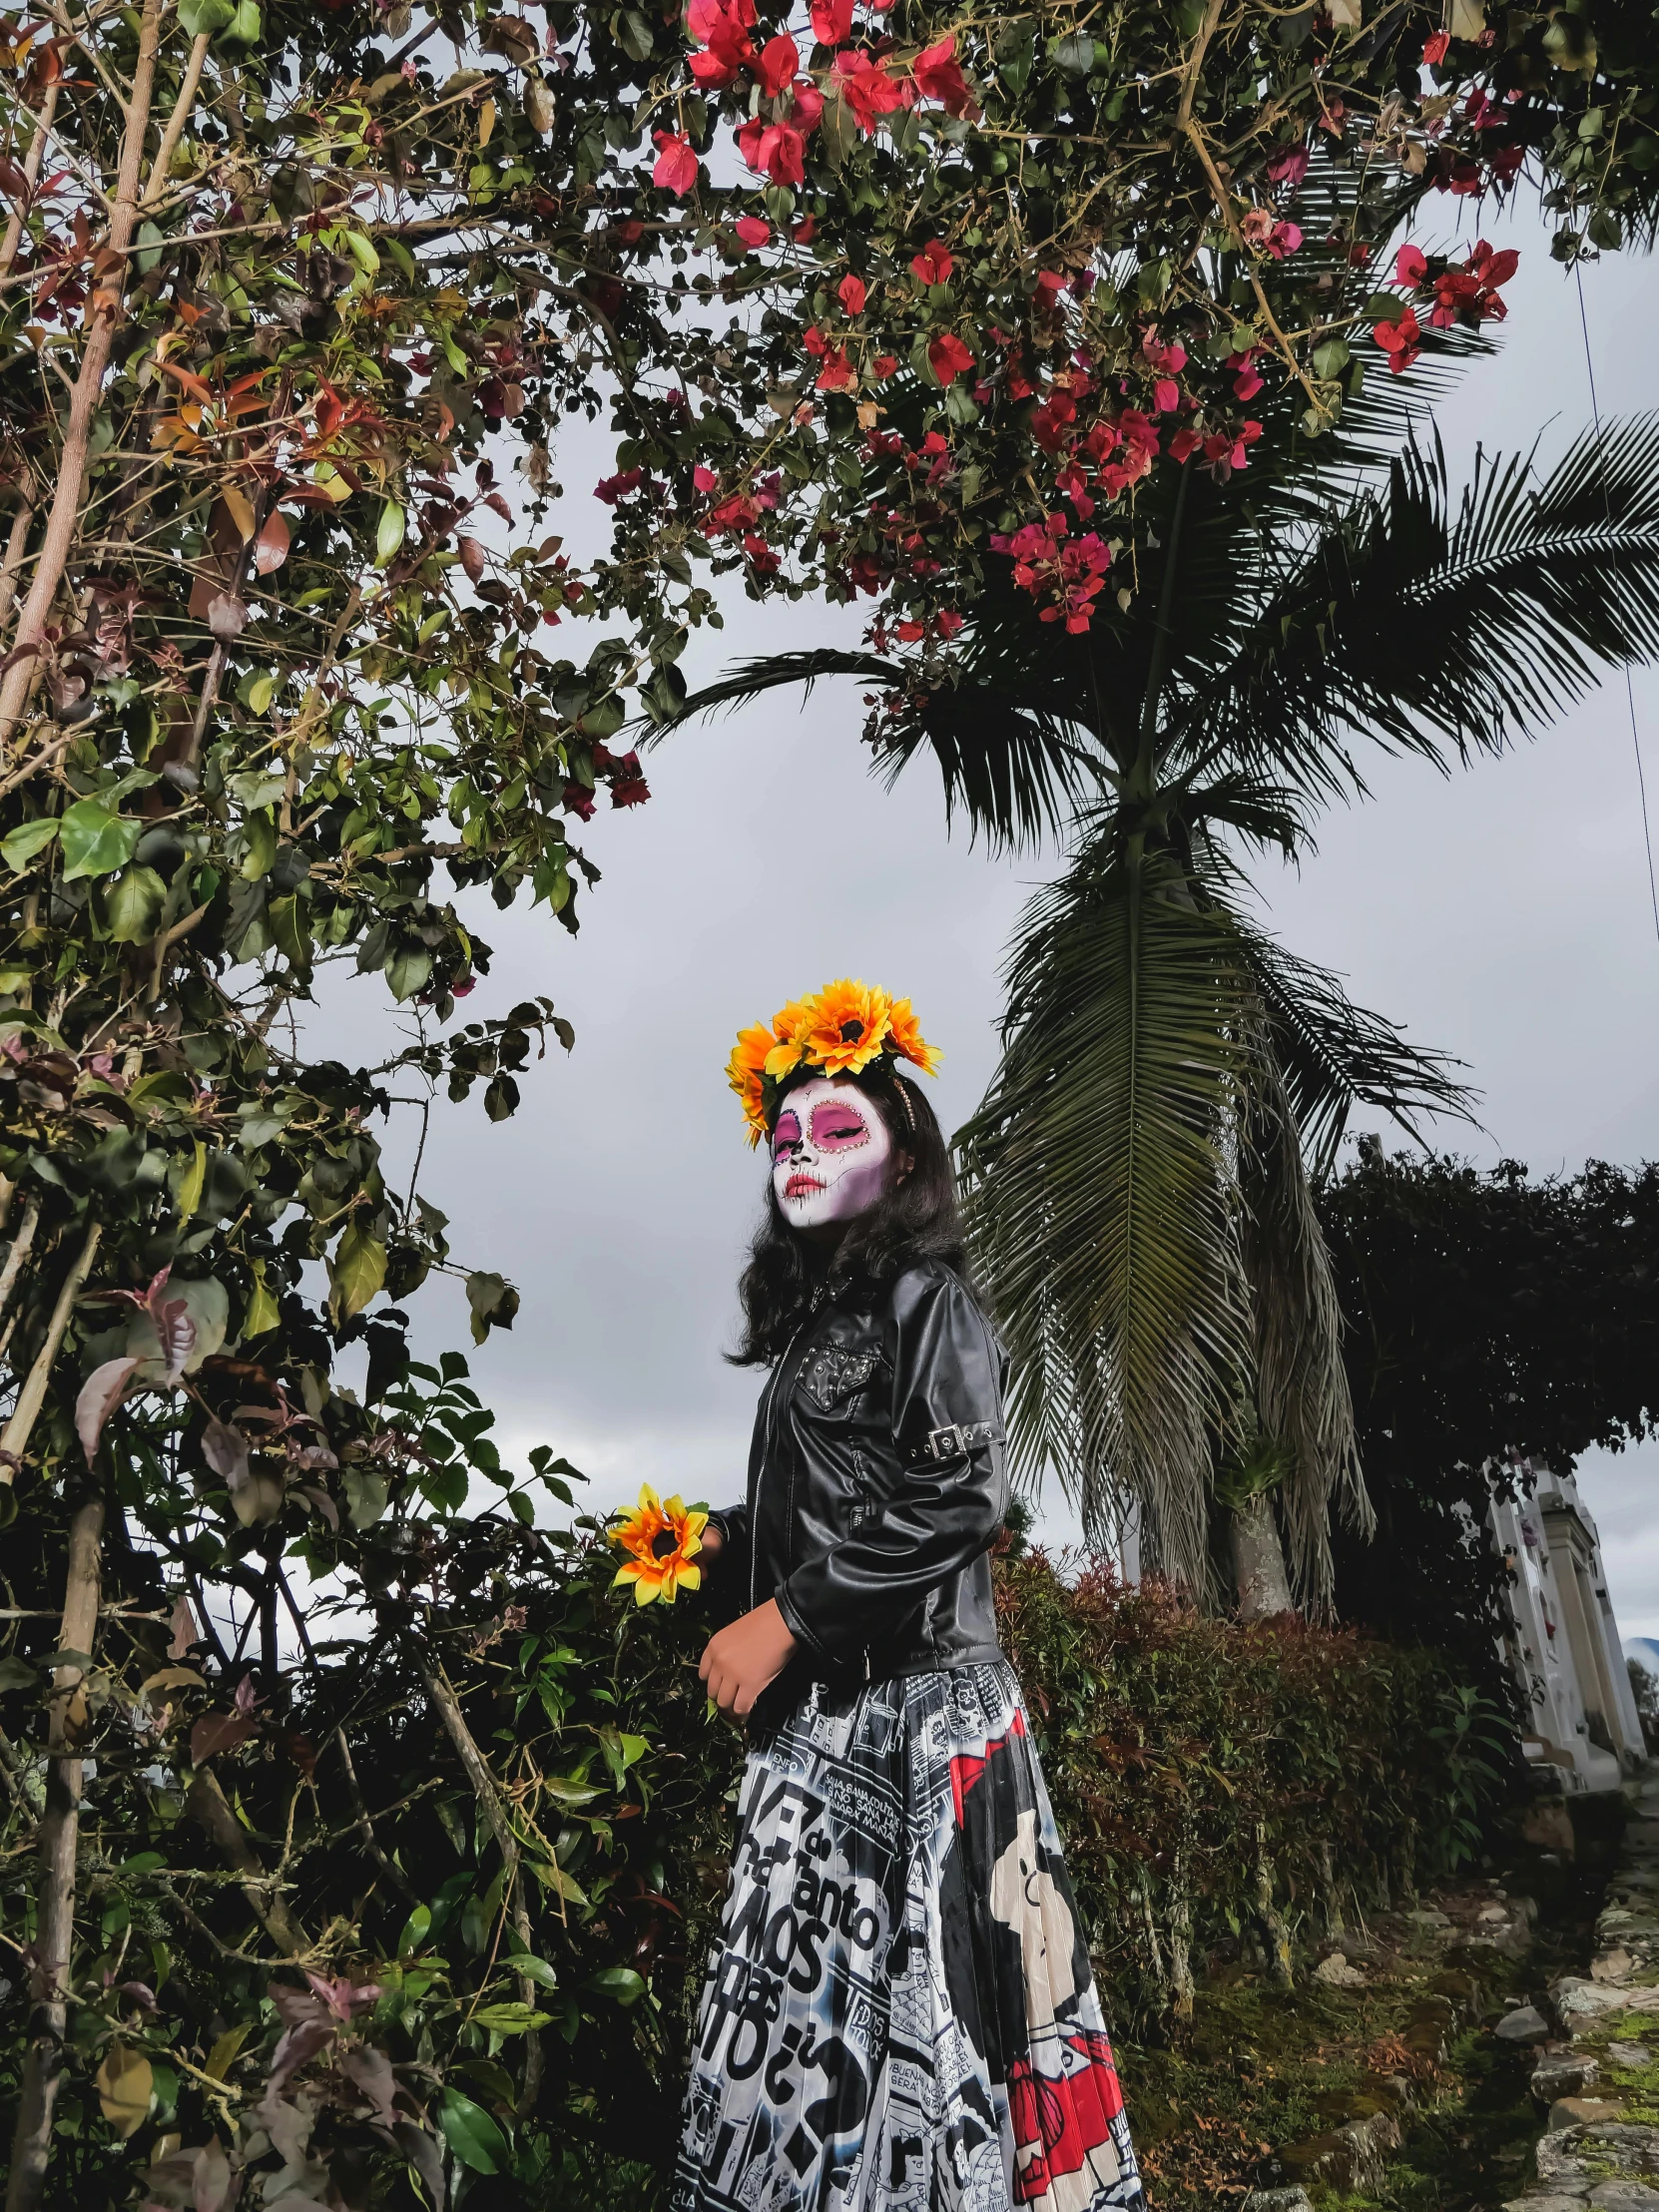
x=877, y=1483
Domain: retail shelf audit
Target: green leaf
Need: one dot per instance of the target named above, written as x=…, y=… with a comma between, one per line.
x=244, y=27
x=416, y=1930
x=28, y=838
x=535, y=1969
x=1330, y=358
x=620, y=1983
x=133, y=905
x=388, y=538
x=356, y=1270
x=365, y=1496
x=262, y=1312
x=510, y=2019
x=409, y=971
x=256, y=787
x=197, y=16
x=472, y=2134
x=150, y=243
x=261, y=832
x=362, y=249
x=1075, y=54
x=94, y=842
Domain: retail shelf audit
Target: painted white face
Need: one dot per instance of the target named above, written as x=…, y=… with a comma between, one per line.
x=831, y=1151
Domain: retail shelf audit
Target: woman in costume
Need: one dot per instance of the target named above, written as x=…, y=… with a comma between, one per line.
x=899, y=2014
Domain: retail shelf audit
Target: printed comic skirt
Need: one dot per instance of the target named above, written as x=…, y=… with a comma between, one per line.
x=899, y=2014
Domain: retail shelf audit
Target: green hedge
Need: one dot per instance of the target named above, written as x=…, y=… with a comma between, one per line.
x=529, y=2036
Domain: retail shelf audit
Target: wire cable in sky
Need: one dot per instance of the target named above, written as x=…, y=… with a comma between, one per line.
x=1629, y=686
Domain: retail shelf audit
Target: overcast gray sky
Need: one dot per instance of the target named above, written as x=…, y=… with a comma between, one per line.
x=1502, y=916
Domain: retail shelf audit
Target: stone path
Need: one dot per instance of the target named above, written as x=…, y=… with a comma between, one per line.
x=1598, y=2070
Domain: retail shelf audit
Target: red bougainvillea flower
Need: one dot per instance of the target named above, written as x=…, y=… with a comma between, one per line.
x=1402, y=340
x=662, y=1539
x=884, y=365
x=775, y=65
x=949, y=357
x=851, y=294
x=704, y=479
x=776, y=150
x=868, y=89
x=1288, y=165
x=1435, y=47
x=932, y=265
x=938, y=76
x=751, y=230
x=831, y=21
x=676, y=168
x=1185, y=443
x=721, y=27
x=628, y=785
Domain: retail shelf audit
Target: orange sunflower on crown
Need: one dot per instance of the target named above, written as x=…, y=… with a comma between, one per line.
x=840, y=1030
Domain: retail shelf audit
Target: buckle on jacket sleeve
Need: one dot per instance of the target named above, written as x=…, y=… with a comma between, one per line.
x=958, y=1440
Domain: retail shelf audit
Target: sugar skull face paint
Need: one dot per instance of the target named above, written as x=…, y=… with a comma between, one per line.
x=830, y=1153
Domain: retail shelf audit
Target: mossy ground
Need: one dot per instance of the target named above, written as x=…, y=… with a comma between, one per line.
x=1264, y=2069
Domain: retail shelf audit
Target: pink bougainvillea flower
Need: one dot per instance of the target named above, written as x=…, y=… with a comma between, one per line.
x=831, y=21
x=776, y=150
x=868, y=89
x=1185, y=442
x=949, y=357
x=938, y=76
x=721, y=27
x=805, y=115
x=932, y=265
x=851, y=294
x=704, y=479
x=1247, y=381
x=775, y=65
x=751, y=230
x=1402, y=340
x=1435, y=48
x=1166, y=396
x=1284, y=238
x=1410, y=266
x=1171, y=357
x=676, y=168
x=1288, y=165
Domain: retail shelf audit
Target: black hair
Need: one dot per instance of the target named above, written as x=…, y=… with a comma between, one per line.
x=916, y=1217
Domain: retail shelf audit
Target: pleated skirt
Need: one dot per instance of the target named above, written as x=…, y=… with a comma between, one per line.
x=899, y=2014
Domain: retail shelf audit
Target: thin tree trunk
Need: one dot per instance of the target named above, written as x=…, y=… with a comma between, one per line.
x=208, y=1808
x=19, y=1249
x=1276, y=1940
x=14, y=1439
x=55, y=1908
x=1258, y=1571
x=31, y=171
x=104, y=311
x=1180, y=1944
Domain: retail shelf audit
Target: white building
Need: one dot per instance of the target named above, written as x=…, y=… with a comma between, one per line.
x=1562, y=1639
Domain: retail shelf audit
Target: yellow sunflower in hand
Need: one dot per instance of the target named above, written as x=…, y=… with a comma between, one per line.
x=663, y=1540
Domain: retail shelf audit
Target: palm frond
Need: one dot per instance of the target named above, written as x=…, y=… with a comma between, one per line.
x=777, y=672
x=1100, y=1208
x=1333, y=1055
x=1302, y=1394
x=1016, y=762
x=1445, y=624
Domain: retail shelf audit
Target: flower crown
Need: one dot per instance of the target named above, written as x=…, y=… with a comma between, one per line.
x=842, y=1030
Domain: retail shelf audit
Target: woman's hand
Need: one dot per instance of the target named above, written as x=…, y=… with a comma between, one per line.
x=741, y=1660
x=714, y=1543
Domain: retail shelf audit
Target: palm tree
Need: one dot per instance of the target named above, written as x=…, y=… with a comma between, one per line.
x=1172, y=1080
